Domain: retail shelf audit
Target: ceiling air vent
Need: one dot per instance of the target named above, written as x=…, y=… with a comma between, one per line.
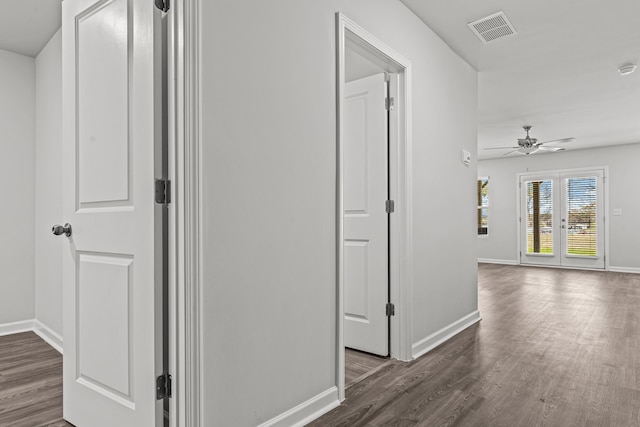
x=492, y=28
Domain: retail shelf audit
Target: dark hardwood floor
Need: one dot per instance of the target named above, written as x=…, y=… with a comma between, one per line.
x=358, y=365
x=555, y=348
x=30, y=382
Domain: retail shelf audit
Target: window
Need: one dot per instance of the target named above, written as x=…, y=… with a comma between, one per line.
x=483, y=205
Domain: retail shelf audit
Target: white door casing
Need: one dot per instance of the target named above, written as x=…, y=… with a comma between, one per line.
x=365, y=218
x=112, y=328
x=559, y=232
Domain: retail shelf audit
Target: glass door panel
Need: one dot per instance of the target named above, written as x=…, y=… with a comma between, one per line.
x=539, y=236
x=540, y=217
x=582, y=204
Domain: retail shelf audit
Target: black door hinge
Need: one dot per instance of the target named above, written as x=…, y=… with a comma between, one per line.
x=163, y=5
x=163, y=386
x=389, y=206
x=391, y=309
x=163, y=191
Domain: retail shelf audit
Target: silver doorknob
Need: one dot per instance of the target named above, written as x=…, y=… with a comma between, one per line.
x=62, y=229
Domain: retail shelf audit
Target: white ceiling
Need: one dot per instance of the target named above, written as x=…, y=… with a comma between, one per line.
x=27, y=25
x=558, y=74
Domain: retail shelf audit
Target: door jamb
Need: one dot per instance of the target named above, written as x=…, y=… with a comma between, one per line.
x=400, y=186
x=184, y=76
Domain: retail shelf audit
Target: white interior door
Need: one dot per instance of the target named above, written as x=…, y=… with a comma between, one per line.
x=365, y=217
x=112, y=327
x=562, y=219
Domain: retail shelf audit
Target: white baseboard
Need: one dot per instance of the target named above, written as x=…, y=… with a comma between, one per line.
x=35, y=326
x=306, y=411
x=50, y=337
x=498, y=261
x=16, y=327
x=624, y=269
x=429, y=343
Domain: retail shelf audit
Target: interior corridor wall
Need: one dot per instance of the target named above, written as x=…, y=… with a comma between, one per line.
x=17, y=142
x=268, y=130
x=48, y=185
x=500, y=245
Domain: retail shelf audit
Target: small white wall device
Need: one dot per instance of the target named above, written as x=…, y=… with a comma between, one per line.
x=466, y=157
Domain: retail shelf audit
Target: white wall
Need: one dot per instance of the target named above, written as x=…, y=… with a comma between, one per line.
x=269, y=179
x=48, y=185
x=624, y=174
x=17, y=141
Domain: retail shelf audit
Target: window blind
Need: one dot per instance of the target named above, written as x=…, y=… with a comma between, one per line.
x=581, y=218
x=540, y=217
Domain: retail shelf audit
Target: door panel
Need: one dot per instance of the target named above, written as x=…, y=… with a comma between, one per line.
x=111, y=320
x=539, y=234
x=365, y=218
x=583, y=212
x=562, y=219
x=104, y=349
x=102, y=76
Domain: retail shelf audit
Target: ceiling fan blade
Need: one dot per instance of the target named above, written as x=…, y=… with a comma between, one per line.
x=499, y=148
x=513, y=151
x=573, y=138
x=543, y=148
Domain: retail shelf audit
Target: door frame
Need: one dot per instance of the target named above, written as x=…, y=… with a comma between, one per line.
x=400, y=188
x=185, y=213
x=605, y=189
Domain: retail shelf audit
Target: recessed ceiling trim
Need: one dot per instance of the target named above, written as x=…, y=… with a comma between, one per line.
x=492, y=27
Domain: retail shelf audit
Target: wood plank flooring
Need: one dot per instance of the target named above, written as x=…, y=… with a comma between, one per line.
x=358, y=365
x=30, y=382
x=555, y=348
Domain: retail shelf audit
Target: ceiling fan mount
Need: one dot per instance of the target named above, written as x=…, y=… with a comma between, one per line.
x=529, y=145
x=527, y=141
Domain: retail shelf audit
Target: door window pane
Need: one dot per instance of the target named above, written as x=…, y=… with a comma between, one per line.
x=581, y=216
x=540, y=217
x=483, y=205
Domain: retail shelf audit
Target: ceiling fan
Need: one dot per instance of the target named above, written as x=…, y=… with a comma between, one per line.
x=528, y=145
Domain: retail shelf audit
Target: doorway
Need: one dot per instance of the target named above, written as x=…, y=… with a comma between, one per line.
x=562, y=218
x=366, y=190
x=373, y=294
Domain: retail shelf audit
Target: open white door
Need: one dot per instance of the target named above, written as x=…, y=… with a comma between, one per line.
x=365, y=218
x=112, y=327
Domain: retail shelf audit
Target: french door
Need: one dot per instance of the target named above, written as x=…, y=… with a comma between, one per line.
x=562, y=219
